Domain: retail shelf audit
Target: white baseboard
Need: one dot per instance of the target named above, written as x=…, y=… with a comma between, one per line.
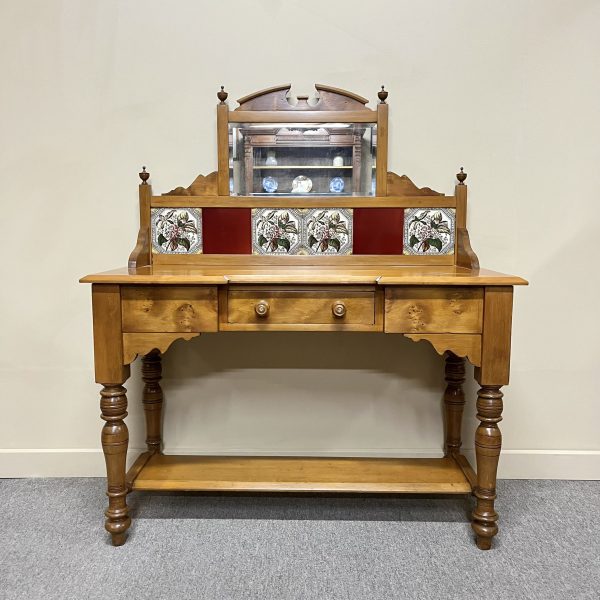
x=514, y=464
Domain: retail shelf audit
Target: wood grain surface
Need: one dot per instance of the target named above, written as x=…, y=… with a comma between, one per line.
x=169, y=309
x=221, y=273
x=412, y=309
x=295, y=474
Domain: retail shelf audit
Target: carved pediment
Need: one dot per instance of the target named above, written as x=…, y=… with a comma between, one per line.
x=280, y=98
x=203, y=185
x=401, y=185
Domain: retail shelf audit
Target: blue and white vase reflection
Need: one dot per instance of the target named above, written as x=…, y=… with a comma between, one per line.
x=270, y=184
x=336, y=185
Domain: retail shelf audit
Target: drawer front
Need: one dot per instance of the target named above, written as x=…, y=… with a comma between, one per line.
x=422, y=309
x=287, y=307
x=167, y=308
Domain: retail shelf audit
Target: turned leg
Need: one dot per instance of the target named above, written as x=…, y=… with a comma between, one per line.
x=153, y=399
x=454, y=402
x=488, y=441
x=115, y=437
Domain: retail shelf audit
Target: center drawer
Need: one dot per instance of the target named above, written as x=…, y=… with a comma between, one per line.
x=347, y=308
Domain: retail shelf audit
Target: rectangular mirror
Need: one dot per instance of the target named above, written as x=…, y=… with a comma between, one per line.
x=302, y=159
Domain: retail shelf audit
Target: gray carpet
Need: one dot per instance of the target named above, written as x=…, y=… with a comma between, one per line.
x=289, y=547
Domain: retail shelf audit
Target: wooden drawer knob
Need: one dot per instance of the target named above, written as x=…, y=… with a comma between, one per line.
x=261, y=308
x=338, y=309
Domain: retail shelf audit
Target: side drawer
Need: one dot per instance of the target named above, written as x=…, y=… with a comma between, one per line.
x=301, y=308
x=423, y=309
x=165, y=308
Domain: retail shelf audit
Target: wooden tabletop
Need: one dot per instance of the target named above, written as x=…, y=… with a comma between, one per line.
x=401, y=275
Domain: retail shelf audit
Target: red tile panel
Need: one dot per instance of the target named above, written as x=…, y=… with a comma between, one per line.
x=227, y=230
x=378, y=230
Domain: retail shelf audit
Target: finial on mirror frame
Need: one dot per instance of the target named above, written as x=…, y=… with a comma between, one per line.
x=144, y=176
x=461, y=177
x=382, y=95
x=222, y=95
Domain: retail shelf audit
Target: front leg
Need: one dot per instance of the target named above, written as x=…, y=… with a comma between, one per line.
x=488, y=442
x=115, y=438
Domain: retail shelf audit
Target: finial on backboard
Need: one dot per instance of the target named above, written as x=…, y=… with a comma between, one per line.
x=461, y=177
x=222, y=95
x=144, y=176
x=382, y=95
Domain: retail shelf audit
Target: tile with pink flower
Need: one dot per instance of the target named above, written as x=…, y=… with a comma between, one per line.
x=429, y=231
x=176, y=230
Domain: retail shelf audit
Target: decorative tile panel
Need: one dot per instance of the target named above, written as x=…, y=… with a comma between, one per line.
x=429, y=231
x=276, y=230
x=286, y=231
x=327, y=231
x=176, y=230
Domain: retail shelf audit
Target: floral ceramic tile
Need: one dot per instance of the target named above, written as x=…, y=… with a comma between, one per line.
x=327, y=231
x=429, y=231
x=276, y=230
x=177, y=230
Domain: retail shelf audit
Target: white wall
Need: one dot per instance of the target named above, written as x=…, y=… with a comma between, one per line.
x=92, y=90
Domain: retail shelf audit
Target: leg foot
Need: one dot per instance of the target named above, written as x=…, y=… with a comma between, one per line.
x=115, y=438
x=118, y=539
x=484, y=543
x=488, y=442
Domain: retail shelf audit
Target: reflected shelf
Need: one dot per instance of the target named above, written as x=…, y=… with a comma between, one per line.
x=264, y=167
x=294, y=195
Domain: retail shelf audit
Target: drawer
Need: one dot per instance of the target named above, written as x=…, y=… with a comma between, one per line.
x=423, y=309
x=165, y=308
x=352, y=308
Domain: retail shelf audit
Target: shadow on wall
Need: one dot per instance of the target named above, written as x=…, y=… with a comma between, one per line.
x=375, y=352
x=305, y=392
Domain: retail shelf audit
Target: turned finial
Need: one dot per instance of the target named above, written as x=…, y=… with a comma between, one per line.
x=222, y=95
x=382, y=95
x=461, y=176
x=144, y=176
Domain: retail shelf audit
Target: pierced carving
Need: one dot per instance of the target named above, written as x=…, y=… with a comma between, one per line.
x=462, y=344
x=328, y=98
x=402, y=186
x=203, y=185
x=140, y=344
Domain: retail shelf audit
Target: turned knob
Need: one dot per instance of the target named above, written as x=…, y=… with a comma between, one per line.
x=338, y=309
x=261, y=308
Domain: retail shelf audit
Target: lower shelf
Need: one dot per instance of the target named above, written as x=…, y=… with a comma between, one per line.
x=301, y=474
